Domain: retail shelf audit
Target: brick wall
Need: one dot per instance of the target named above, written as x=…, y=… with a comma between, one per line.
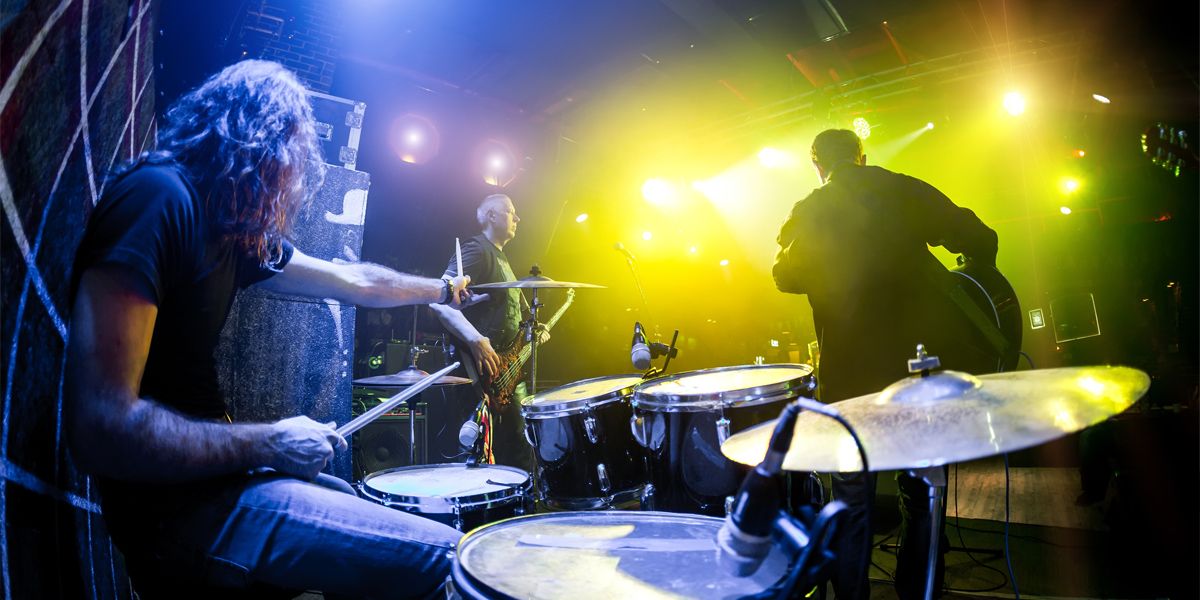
x=303, y=35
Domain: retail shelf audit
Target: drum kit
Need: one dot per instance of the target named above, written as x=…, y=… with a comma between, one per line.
x=679, y=446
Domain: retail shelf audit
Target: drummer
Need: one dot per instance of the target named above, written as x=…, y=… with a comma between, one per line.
x=489, y=332
x=858, y=248
x=193, y=501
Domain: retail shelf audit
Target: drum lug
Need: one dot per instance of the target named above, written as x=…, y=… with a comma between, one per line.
x=638, y=428
x=589, y=425
x=458, y=521
x=602, y=473
x=648, y=497
x=722, y=429
x=728, y=505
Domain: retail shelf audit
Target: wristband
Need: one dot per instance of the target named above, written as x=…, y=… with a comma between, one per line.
x=447, y=291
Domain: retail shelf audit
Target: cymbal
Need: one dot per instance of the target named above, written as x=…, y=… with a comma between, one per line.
x=950, y=417
x=533, y=282
x=408, y=376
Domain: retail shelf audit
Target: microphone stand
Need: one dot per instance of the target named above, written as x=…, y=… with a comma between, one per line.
x=637, y=281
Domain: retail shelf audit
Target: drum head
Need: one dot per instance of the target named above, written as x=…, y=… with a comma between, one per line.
x=575, y=396
x=606, y=555
x=727, y=386
x=437, y=488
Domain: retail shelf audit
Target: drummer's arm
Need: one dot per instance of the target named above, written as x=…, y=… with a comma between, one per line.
x=363, y=284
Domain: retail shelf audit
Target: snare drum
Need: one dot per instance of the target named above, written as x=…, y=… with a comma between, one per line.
x=459, y=496
x=586, y=457
x=611, y=554
x=682, y=420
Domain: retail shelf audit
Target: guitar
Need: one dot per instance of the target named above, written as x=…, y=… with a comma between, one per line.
x=988, y=301
x=513, y=360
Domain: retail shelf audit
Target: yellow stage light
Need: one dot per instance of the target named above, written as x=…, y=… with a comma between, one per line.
x=1069, y=185
x=771, y=158
x=1101, y=99
x=929, y=125
x=1014, y=103
x=724, y=262
x=693, y=249
x=659, y=192
x=646, y=235
x=1066, y=210
x=581, y=218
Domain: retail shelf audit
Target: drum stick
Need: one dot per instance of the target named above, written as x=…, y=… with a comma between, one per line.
x=458, y=256
x=364, y=419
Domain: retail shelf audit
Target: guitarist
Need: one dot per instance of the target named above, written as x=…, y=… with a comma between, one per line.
x=490, y=332
x=858, y=248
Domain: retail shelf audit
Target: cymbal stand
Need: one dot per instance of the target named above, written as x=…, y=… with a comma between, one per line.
x=411, y=402
x=531, y=333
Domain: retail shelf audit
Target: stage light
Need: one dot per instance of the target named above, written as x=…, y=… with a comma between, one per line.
x=724, y=262
x=1066, y=210
x=497, y=161
x=770, y=158
x=646, y=235
x=1080, y=153
x=1101, y=99
x=693, y=250
x=1014, y=103
x=862, y=128
x=929, y=125
x=581, y=218
x=414, y=139
x=659, y=192
x=1069, y=185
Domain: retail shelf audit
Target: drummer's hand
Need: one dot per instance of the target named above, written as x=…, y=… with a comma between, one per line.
x=486, y=358
x=460, y=296
x=300, y=446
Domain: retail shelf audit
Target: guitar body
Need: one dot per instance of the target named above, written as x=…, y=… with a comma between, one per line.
x=996, y=302
x=500, y=388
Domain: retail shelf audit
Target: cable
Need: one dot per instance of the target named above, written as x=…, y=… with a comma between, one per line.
x=1007, y=553
x=1027, y=359
x=965, y=549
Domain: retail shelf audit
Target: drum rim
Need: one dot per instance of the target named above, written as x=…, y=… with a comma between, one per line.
x=445, y=504
x=472, y=537
x=751, y=396
x=568, y=407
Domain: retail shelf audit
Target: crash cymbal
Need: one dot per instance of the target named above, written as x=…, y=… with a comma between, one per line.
x=408, y=376
x=950, y=417
x=533, y=282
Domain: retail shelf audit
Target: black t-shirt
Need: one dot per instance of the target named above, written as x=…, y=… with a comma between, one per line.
x=151, y=222
x=498, y=318
x=858, y=247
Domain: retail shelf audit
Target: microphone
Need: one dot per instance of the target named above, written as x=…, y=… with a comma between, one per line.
x=745, y=539
x=640, y=351
x=623, y=250
x=468, y=434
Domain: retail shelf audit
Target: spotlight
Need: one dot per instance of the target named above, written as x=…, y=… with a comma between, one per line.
x=724, y=262
x=770, y=158
x=658, y=192
x=693, y=250
x=1014, y=103
x=414, y=139
x=497, y=162
x=646, y=235
x=1066, y=210
x=1101, y=99
x=862, y=128
x=581, y=218
x=929, y=125
x=1080, y=153
x=1069, y=185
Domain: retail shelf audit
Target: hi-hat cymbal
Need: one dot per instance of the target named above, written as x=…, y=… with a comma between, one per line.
x=950, y=417
x=408, y=376
x=533, y=282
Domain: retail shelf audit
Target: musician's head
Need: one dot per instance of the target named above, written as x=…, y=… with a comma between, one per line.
x=498, y=218
x=833, y=148
x=247, y=138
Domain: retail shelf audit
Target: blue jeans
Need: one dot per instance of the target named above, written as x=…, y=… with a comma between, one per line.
x=297, y=535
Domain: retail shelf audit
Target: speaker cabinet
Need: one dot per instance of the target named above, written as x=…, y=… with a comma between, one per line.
x=384, y=444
